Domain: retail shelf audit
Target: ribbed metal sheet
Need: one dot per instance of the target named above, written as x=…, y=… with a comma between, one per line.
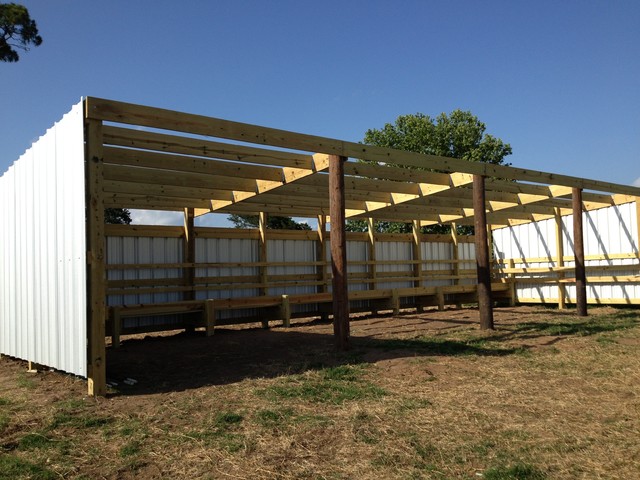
x=137, y=250
x=42, y=251
x=400, y=252
x=608, y=230
x=436, y=251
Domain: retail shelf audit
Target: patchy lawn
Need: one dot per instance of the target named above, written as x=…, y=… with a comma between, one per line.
x=546, y=395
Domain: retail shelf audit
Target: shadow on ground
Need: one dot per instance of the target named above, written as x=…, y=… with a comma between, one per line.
x=188, y=361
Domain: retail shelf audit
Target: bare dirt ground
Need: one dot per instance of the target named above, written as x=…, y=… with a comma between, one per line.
x=429, y=395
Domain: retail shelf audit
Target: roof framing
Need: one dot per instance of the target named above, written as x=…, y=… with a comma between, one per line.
x=286, y=173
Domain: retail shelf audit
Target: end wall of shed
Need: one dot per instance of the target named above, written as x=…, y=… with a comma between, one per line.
x=43, y=306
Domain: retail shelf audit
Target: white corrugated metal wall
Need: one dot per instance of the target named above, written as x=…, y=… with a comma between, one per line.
x=43, y=307
x=610, y=230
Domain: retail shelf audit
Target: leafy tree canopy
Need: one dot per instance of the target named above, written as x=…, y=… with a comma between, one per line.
x=17, y=31
x=120, y=216
x=273, y=222
x=458, y=135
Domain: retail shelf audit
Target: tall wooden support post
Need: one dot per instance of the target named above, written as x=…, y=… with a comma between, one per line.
x=485, y=303
x=371, y=232
x=262, y=257
x=417, y=257
x=578, y=247
x=189, y=257
x=338, y=252
x=455, y=256
x=372, y=270
x=560, y=260
x=321, y=256
x=96, y=276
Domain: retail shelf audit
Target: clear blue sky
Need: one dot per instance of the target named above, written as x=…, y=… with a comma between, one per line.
x=560, y=81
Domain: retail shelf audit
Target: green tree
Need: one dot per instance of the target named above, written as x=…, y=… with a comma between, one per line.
x=458, y=135
x=120, y=216
x=273, y=222
x=17, y=31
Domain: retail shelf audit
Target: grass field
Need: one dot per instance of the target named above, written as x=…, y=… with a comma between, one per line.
x=547, y=395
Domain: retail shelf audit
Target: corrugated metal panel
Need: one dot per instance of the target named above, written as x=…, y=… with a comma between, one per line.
x=608, y=230
x=125, y=250
x=212, y=250
x=292, y=251
x=400, y=252
x=42, y=251
x=436, y=251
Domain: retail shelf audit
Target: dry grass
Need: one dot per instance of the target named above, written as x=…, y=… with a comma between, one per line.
x=545, y=396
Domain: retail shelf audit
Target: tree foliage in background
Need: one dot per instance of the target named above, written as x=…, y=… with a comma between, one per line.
x=458, y=135
x=17, y=31
x=273, y=222
x=120, y=216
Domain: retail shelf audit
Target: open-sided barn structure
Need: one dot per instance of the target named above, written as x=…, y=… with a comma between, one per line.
x=67, y=280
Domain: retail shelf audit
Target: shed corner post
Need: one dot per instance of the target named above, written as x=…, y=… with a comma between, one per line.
x=338, y=242
x=96, y=273
x=485, y=304
x=578, y=248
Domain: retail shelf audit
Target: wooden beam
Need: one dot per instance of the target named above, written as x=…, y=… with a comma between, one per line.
x=339, y=252
x=127, y=137
x=485, y=303
x=288, y=175
x=578, y=248
x=96, y=273
x=120, y=112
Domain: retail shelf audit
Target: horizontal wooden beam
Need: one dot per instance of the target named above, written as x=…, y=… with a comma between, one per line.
x=127, y=113
x=161, y=142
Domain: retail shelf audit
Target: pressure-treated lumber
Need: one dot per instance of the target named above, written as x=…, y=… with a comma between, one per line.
x=578, y=248
x=96, y=298
x=485, y=303
x=121, y=112
x=339, y=252
x=560, y=260
x=263, y=257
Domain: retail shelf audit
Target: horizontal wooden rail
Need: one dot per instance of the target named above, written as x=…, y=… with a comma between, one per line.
x=281, y=305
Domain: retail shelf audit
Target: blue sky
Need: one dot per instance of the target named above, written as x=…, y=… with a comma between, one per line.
x=560, y=81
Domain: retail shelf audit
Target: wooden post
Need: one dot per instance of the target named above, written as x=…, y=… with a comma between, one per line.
x=338, y=252
x=210, y=316
x=285, y=311
x=456, y=257
x=560, y=260
x=189, y=252
x=373, y=284
x=485, y=305
x=417, y=257
x=512, y=284
x=321, y=256
x=96, y=276
x=578, y=248
x=262, y=258
x=371, y=232
x=116, y=325
x=189, y=256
